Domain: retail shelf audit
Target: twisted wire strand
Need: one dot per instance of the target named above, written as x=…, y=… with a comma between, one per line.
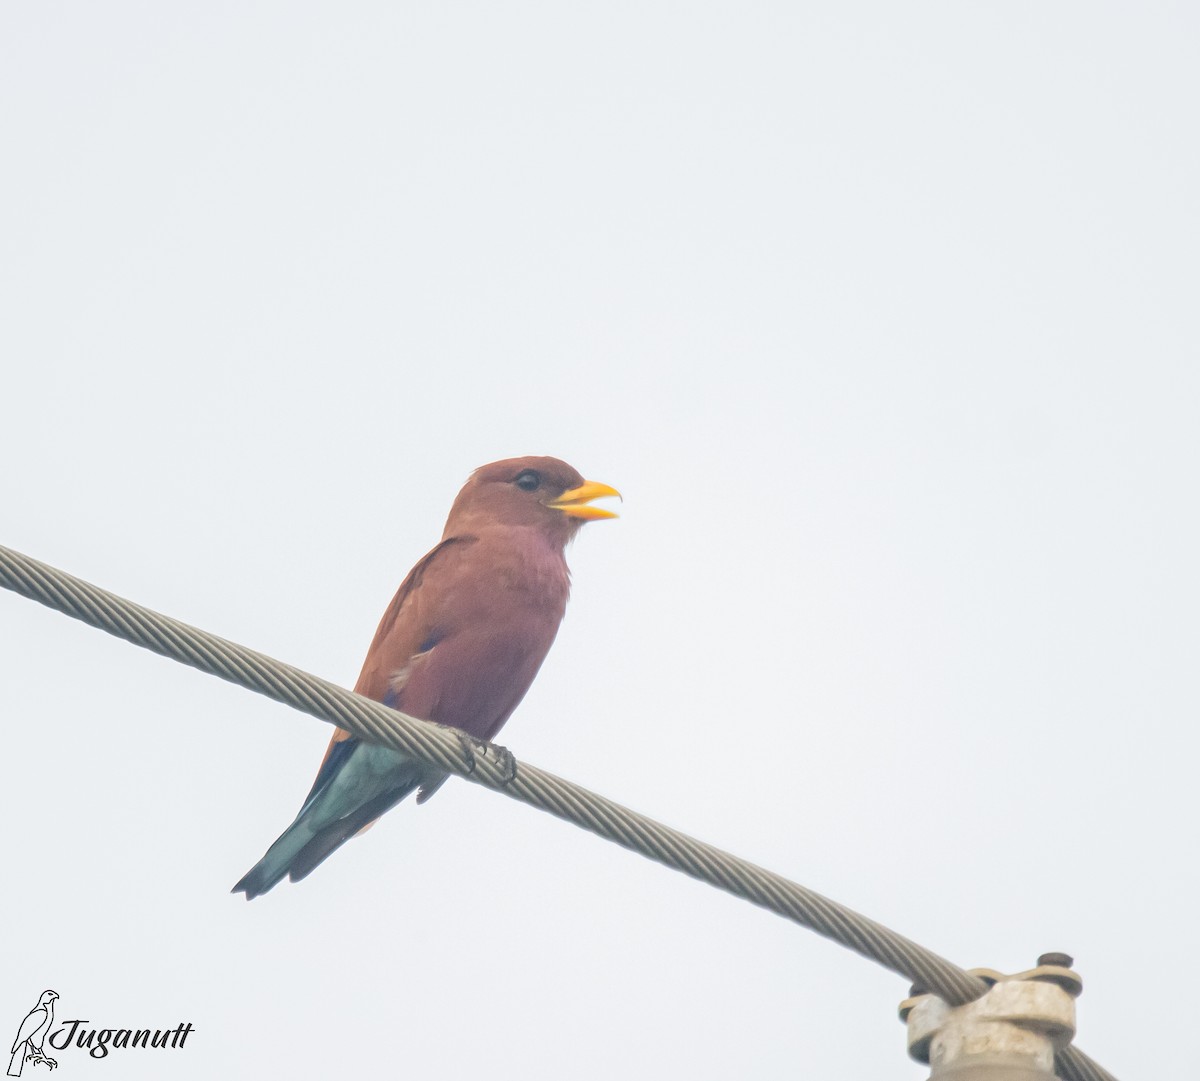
x=447, y=750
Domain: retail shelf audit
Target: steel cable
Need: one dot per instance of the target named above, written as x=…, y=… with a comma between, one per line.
x=448, y=750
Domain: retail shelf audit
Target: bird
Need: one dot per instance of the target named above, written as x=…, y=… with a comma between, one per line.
x=31, y=1034
x=460, y=644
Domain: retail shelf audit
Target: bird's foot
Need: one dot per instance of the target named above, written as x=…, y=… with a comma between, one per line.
x=41, y=1060
x=469, y=746
x=506, y=761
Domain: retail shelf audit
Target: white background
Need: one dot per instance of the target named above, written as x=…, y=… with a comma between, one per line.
x=882, y=317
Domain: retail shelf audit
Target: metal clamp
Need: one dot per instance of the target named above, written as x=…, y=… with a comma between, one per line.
x=1011, y=1033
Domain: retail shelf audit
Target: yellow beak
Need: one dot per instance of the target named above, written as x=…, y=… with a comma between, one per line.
x=574, y=503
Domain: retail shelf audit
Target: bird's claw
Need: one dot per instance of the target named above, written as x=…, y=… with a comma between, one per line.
x=468, y=746
x=506, y=761
x=41, y=1060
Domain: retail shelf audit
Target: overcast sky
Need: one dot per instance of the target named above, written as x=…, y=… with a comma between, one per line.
x=883, y=318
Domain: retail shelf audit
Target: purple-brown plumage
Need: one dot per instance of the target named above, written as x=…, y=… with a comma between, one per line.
x=460, y=644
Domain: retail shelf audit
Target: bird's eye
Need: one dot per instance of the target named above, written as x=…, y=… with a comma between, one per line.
x=528, y=481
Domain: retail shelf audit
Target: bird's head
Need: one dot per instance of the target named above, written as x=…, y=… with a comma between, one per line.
x=543, y=493
x=47, y=998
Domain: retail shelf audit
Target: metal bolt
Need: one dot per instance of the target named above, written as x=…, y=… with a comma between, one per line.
x=1062, y=960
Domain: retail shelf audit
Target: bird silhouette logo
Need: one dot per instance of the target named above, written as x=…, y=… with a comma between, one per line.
x=27, y=1047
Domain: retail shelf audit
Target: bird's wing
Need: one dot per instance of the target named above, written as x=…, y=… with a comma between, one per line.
x=472, y=633
x=33, y=1021
x=410, y=625
x=405, y=626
